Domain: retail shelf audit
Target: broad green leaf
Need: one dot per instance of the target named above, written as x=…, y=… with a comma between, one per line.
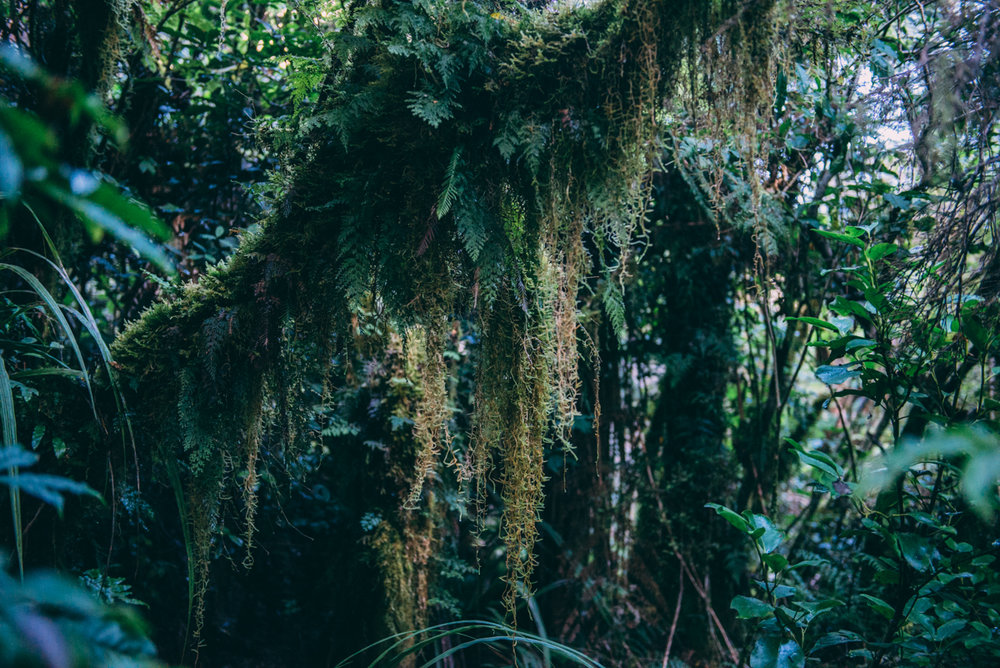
x=48, y=488
x=844, y=324
x=750, y=608
x=831, y=374
x=844, y=238
x=917, y=551
x=109, y=220
x=777, y=591
x=768, y=535
x=58, y=447
x=976, y=333
x=37, y=434
x=11, y=170
x=821, y=461
x=14, y=455
x=816, y=607
x=770, y=652
x=816, y=322
x=878, y=605
x=854, y=344
x=730, y=516
x=879, y=251
x=949, y=628
x=789, y=618
x=776, y=562
x=846, y=307
x=835, y=638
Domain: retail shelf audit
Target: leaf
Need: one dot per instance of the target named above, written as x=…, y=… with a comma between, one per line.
x=770, y=537
x=846, y=307
x=980, y=448
x=48, y=488
x=976, y=333
x=836, y=638
x=730, y=516
x=11, y=170
x=776, y=562
x=816, y=322
x=777, y=590
x=948, y=629
x=37, y=434
x=854, y=344
x=844, y=238
x=770, y=652
x=431, y=108
x=57, y=313
x=879, y=251
x=979, y=481
x=750, y=608
x=878, y=605
x=450, y=189
x=916, y=550
x=781, y=92
x=832, y=374
x=897, y=201
x=8, y=427
x=14, y=455
x=109, y=221
x=814, y=608
x=821, y=461
x=844, y=324
x=135, y=214
x=33, y=141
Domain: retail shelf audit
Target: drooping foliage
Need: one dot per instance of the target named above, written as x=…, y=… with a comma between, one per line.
x=460, y=158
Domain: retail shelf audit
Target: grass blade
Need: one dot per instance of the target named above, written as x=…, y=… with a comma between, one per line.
x=57, y=313
x=9, y=424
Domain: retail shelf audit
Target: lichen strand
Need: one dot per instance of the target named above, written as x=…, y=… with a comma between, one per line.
x=460, y=160
x=226, y=353
x=425, y=348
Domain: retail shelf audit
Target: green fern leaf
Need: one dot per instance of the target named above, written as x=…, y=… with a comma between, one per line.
x=450, y=191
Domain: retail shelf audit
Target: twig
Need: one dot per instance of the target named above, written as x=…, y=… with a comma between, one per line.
x=673, y=625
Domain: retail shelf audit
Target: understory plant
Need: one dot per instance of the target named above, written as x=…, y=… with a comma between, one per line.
x=911, y=571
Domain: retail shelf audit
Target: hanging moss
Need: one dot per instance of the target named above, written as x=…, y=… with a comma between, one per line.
x=463, y=158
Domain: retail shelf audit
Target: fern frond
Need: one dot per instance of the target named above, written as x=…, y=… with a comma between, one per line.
x=450, y=188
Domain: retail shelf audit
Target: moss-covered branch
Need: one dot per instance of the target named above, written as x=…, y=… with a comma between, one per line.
x=461, y=159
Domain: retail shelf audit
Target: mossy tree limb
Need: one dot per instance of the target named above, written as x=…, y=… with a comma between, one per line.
x=457, y=161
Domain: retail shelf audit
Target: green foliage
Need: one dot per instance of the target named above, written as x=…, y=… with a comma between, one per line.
x=48, y=620
x=784, y=635
x=460, y=196
x=48, y=488
x=976, y=449
x=36, y=176
x=558, y=109
x=459, y=637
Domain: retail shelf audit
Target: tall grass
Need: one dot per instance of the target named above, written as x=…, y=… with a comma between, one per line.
x=408, y=646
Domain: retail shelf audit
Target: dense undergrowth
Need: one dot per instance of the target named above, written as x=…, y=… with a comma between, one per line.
x=664, y=333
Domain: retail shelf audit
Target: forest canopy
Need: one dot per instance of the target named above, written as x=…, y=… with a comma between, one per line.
x=626, y=332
